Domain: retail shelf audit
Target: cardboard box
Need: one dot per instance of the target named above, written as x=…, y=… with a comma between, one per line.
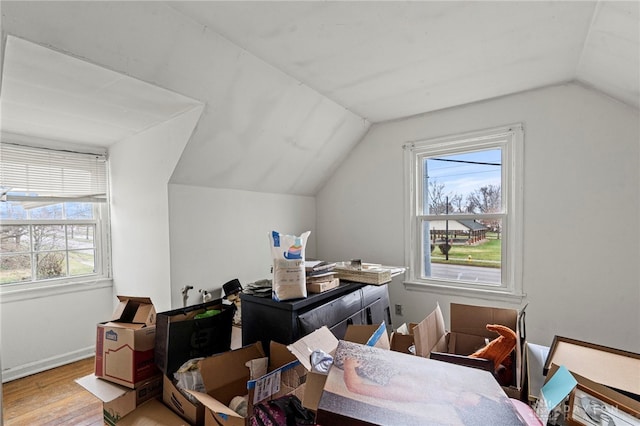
x=611, y=367
x=323, y=339
x=402, y=338
x=467, y=334
x=125, y=345
x=152, y=413
x=285, y=376
x=320, y=286
x=118, y=401
x=180, y=336
x=372, y=386
x=226, y=375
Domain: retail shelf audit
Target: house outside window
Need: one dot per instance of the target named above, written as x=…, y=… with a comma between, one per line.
x=53, y=217
x=463, y=230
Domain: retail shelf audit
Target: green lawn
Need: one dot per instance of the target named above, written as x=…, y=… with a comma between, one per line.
x=486, y=254
x=81, y=263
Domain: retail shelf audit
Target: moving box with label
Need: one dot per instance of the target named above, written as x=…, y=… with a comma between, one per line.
x=125, y=345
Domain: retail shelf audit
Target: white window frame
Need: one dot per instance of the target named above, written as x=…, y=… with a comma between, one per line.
x=11, y=292
x=510, y=139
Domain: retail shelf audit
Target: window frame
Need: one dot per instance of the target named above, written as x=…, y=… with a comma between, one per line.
x=510, y=139
x=10, y=292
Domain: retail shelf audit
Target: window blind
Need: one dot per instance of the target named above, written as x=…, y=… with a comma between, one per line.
x=36, y=174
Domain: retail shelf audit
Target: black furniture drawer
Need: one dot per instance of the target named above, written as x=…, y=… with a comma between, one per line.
x=331, y=313
x=265, y=320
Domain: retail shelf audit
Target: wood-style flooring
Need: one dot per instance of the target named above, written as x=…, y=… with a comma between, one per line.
x=52, y=398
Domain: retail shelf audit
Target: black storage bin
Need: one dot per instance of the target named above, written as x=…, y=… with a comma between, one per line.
x=180, y=337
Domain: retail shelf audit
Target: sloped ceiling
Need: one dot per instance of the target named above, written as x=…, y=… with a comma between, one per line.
x=49, y=95
x=291, y=87
x=387, y=60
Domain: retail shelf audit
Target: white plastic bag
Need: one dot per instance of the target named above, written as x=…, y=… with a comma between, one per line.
x=287, y=251
x=188, y=377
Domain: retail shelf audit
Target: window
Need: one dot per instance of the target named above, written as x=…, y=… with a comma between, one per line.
x=53, y=216
x=464, y=201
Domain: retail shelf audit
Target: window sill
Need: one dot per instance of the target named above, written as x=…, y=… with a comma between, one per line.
x=477, y=293
x=10, y=293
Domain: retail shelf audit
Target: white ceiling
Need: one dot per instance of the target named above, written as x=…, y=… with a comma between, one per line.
x=386, y=60
x=50, y=95
x=294, y=83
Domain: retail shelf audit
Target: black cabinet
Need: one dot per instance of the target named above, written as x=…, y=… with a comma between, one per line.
x=285, y=322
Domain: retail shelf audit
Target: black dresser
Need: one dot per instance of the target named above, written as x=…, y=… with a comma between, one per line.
x=264, y=319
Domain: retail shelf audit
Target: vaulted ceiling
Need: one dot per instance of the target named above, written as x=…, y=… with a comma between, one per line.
x=290, y=87
x=386, y=60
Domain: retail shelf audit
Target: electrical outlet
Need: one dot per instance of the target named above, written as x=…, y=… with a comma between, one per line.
x=398, y=309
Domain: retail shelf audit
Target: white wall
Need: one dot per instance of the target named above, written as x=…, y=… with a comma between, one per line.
x=140, y=169
x=581, y=201
x=52, y=329
x=250, y=105
x=221, y=234
x=57, y=327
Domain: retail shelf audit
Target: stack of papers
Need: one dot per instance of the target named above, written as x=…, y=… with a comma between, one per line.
x=260, y=288
x=320, y=276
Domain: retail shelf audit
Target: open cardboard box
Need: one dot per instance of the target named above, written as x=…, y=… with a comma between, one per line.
x=402, y=338
x=125, y=345
x=323, y=339
x=467, y=334
x=152, y=413
x=118, y=401
x=225, y=375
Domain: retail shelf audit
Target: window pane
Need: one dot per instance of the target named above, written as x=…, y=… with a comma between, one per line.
x=463, y=250
x=49, y=212
x=80, y=236
x=463, y=183
x=48, y=237
x=76, y=211
x=11, y=210
x=15, y=268
x=51, y=265
x=14, y=238
x=48, y=218
x=81, y=262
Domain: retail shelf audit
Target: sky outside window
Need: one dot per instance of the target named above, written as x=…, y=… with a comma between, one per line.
x=462, y=174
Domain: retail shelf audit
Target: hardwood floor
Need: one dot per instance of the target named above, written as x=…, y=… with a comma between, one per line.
x=52, y=398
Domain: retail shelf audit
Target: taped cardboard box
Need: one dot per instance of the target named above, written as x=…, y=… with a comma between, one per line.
x=323, y=339
x=192, y=332
x=118, y=401
x=125, y=345
x=226, y=375
x=468, y=333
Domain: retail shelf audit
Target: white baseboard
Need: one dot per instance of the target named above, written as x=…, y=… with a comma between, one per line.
x=20, y=371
